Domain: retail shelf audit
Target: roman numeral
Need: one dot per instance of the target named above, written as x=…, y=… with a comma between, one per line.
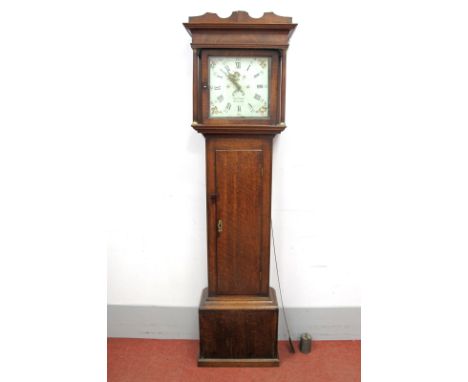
x=228, y=106
x=259, y=86
x=257, y=75
x=257, y=97
x=238, y=64
x=239, y=108
x=251, y=107
x=217, y=88
x=220, y=98
x=248, y=67
x=227, y=68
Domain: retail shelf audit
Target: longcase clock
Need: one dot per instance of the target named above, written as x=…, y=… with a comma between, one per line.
x=239, y=79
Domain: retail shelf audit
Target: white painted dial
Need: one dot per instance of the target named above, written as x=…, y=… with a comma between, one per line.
x=239, y=86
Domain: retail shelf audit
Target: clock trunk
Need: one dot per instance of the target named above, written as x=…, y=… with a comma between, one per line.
x=239, y=189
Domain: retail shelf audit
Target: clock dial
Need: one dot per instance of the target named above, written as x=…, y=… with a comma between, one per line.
x=239, y=87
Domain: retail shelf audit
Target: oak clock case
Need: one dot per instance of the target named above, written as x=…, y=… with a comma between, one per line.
x=239, y=77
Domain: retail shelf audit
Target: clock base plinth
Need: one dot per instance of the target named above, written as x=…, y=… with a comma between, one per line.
x=239, y=331
x=248, y=362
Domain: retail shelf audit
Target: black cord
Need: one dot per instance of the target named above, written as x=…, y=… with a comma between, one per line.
x=291, y=345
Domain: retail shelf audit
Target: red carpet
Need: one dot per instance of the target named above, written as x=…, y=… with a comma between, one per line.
x=141, y=360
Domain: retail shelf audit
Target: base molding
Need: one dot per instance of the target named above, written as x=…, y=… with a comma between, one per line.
x=238, y=330
x=240, y=362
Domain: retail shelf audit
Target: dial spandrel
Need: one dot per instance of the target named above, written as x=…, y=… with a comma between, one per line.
x=238, y=87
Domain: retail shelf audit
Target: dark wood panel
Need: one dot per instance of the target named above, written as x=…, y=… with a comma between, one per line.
x=238, y=334
x=238, y=330
x=239, y=181
x=239, y=193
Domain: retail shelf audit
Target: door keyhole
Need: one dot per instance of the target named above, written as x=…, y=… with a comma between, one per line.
x=220, y=225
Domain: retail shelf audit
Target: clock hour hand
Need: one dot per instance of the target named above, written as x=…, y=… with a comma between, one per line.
x=232, y=78
x=238, y=89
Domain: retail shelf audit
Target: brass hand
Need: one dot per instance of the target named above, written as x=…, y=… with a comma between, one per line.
x=233, y=79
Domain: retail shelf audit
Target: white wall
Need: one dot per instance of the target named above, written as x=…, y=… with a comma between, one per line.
x=369, y=146
x=157, y=238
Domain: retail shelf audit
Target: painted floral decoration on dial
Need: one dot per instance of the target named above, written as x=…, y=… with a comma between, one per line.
x=239, y=87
